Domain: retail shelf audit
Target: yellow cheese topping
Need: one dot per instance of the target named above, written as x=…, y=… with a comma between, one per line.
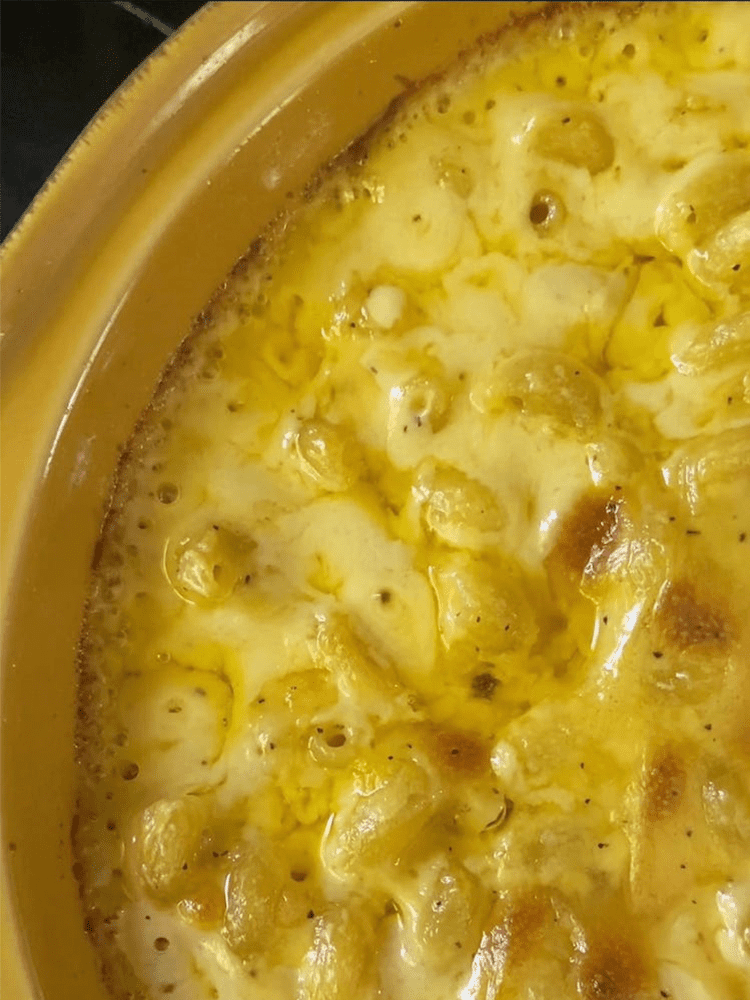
x=417, y=659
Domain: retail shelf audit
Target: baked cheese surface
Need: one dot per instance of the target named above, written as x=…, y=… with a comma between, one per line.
x=417, y=659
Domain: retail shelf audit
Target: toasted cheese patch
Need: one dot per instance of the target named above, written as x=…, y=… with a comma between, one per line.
x=687, y=622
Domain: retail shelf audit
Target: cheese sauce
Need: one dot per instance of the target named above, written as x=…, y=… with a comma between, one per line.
x=417, y=658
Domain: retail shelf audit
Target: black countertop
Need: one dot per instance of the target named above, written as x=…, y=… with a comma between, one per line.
x=61, y=60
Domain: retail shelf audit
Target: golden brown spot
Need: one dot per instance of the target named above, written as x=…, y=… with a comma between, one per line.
x=686, y=621
x=587, y=533
x=612, y=969
x=664, y=784
x=525, y=924
x=483, y=686
x=518, y=928
x=459, y=753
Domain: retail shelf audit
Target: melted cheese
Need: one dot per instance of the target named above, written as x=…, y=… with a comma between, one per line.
x=416, y=656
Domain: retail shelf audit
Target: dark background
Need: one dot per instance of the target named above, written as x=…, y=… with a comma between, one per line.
x=60, y=62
